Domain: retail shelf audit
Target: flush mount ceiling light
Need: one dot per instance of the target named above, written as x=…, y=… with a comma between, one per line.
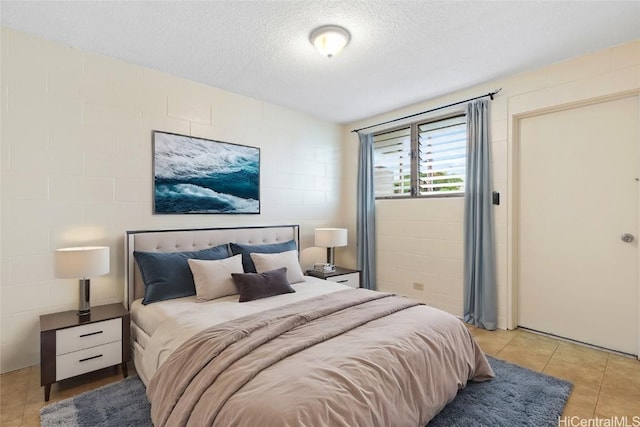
x=330, y=39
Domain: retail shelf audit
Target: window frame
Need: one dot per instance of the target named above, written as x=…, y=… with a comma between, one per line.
x=414, y=156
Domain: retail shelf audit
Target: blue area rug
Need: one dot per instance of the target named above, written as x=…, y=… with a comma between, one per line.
x=123, y=403
x=515, y=397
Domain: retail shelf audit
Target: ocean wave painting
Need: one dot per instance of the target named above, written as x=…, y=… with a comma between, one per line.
x=200, y=176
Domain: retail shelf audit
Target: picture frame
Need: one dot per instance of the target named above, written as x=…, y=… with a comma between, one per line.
x=193, y=175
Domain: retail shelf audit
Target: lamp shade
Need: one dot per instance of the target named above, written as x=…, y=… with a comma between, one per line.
x=81, y=262
x=331, y=237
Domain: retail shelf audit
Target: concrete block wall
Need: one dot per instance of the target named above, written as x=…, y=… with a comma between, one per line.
x=421, y=240
x=76, y=164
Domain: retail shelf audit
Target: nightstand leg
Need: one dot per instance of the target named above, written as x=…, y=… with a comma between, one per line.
x=47, y=392
x=125, y=371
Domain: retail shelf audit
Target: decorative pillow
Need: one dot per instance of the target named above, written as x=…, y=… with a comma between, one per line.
x=166, y=275
x=245, y=250
x=252, y=286
x=213, y=277
x=289, y=259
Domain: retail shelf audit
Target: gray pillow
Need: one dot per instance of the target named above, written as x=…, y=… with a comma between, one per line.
x=167, y=275
x=252, y=286
x=246, y=250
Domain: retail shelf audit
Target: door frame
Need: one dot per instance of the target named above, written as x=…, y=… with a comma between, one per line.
x=523, y=110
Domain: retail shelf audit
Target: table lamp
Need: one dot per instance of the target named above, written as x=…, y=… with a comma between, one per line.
x=82, y=263
x=331, y=238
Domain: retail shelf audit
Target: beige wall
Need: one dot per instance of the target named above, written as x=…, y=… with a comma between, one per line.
x=421, y=240
x=75, y=164
x=76, y=169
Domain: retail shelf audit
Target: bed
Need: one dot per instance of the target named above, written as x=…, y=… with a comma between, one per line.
x=319, y=354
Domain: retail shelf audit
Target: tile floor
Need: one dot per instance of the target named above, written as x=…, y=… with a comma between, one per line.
x=605, y=384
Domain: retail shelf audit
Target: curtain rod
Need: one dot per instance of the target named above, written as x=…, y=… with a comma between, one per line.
x=490, y=95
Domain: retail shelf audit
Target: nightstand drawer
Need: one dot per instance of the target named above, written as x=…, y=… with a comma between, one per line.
x=86, y=336
x=82, y=361
x=352, y=279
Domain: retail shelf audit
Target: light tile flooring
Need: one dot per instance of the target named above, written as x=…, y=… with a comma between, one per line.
x=605, y=384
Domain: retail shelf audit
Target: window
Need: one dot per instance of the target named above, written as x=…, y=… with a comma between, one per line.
x=421, y=160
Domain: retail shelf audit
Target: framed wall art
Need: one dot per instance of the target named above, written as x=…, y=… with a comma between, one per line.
x=201, y=176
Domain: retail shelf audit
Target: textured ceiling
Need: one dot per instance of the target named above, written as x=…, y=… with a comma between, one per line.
x=401, y=52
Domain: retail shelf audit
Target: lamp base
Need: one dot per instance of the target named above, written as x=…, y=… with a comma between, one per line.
x=331, y=256
x=84, y=307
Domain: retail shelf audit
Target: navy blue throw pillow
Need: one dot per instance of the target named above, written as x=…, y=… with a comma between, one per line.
x=167, y=275
x=245, y=250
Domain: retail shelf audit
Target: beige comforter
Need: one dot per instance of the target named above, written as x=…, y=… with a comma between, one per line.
x=350, y=358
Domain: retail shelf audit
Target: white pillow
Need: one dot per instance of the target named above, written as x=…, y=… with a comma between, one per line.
x=289, y=259
x=213, y=277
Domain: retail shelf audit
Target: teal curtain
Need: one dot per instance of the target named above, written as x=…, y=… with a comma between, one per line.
x=480, y=294
x=366, y=220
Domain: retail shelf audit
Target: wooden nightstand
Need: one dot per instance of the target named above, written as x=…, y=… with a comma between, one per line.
x=346, y=276
x=71, y=345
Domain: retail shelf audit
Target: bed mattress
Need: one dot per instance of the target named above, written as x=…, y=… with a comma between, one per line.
x=154, y=325
x=349, y=358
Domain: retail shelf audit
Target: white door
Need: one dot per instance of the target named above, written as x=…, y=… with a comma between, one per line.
x=578, y=179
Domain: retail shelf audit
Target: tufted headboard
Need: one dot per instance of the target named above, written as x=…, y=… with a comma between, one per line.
x=193, y=240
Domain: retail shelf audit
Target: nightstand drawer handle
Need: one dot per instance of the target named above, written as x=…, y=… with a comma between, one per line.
x=89, y=358
x=89, y=334
x=341, y=281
